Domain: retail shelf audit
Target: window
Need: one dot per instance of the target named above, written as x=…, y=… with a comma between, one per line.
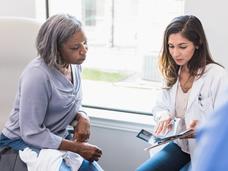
x=124, y=39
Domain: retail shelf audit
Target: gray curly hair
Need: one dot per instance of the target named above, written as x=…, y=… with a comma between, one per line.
x=55, y=31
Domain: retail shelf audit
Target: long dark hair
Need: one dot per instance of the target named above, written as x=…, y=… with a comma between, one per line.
x=191, y=28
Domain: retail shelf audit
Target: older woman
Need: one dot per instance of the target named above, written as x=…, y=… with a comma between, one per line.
x=49, y=96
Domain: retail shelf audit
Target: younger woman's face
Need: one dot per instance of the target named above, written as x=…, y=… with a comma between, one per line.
x=180, y=48
x=75, y=48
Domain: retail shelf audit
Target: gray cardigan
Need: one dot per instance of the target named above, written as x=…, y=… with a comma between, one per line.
x=46, y=102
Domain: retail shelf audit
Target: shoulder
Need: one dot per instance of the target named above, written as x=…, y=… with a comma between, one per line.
x=35, y=80
x=214, y=70
x=215, y=67
x=35, y=71
x=215, y=75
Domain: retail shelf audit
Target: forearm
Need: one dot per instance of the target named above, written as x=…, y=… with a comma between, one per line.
x=68, y=145
x=79, y=115
x=87, y=151
x=82, y=128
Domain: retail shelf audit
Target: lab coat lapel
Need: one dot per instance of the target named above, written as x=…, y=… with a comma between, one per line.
x=173, y=92
x=195, y=91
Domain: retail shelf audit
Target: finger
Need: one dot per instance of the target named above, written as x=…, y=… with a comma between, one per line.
x=91, y=160
x=96, y=157
x=170, y=127
x=98, y=151
x=193, y=123
x=167, y=126
x=161, y=125
x=158, y=128
x=164, y=127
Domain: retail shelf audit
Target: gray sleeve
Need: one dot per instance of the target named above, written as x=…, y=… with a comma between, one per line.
x=35, y=92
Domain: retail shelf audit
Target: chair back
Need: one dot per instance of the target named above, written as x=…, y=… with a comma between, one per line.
x=17, y=48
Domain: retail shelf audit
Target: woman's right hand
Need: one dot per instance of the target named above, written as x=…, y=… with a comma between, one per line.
x=88, y=151
x=164, y=125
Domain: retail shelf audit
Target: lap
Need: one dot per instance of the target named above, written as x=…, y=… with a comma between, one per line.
x=170, y=158
x=90, y=166
x=19, y=144
x=86, y=166
x=16, y=144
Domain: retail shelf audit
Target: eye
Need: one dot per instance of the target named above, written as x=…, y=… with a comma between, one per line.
x=170, y=46
x=75, y=47
x=183, y=47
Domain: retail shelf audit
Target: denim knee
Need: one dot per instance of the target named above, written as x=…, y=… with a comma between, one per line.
x=90, y=166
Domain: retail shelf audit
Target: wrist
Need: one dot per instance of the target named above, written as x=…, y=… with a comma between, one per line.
x=68, y=145
x=81, y=114
x=161, y=115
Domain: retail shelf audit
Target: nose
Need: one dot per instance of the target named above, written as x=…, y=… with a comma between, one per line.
x=84, y=49
x=175, y=52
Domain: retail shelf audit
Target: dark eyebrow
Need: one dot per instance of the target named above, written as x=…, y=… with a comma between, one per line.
x=183, y=44
x=179, y=44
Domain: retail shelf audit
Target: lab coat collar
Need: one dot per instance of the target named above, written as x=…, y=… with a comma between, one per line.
x=196, y=89
x=194, y=94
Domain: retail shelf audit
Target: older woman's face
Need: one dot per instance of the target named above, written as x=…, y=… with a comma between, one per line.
x=74, y=49
x=180, y=48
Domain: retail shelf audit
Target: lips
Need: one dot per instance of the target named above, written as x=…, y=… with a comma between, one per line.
x=179, y=59
x=83, y=58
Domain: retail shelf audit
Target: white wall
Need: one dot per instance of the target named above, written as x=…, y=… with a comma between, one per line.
x=20, y=8
x=115, y=133
x=24, y=8
x=122, y=151
x=213, y=15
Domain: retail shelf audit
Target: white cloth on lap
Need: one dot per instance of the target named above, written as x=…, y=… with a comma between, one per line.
x=50, y=159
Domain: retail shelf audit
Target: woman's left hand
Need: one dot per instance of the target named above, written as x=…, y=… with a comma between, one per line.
x=82, y=129
x=192, y=126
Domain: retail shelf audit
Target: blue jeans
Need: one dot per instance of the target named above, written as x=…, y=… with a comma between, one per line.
x=19, y=144
x=86, y=166
x=170, y=158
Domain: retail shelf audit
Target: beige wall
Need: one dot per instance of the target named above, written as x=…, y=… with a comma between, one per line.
x=213, y=15
x=20, y=8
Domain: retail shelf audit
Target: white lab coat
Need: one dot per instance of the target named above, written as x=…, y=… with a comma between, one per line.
x=207, y=94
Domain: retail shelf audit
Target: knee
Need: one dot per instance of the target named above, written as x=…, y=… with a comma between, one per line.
x=90, y=166
x=145, y=167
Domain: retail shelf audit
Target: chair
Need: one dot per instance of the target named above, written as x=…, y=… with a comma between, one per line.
x=17, y=48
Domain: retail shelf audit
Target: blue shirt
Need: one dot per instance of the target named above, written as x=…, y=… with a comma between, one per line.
x=212, y=150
